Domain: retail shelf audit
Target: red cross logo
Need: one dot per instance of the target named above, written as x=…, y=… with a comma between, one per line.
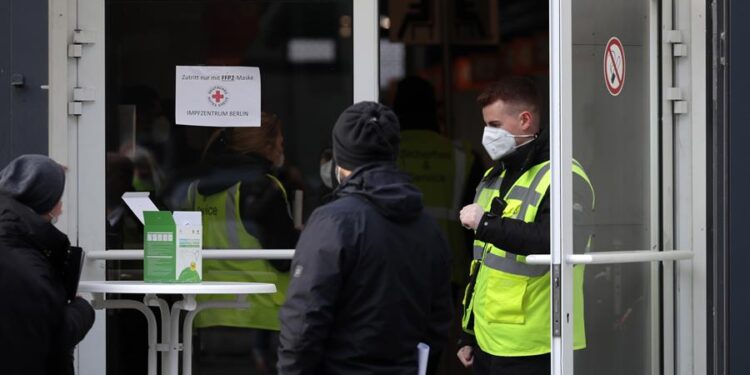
x=218, y=96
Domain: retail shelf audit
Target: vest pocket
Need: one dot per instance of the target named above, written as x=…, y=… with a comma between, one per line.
x=505, y=295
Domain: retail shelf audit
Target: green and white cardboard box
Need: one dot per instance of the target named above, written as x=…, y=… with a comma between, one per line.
x=172, y=242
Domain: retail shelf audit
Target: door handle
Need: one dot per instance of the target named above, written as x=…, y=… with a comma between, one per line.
x=17, y=80
x=609, y=257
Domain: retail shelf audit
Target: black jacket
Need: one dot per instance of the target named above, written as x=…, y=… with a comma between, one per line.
x=38, y=325
x=371, y=279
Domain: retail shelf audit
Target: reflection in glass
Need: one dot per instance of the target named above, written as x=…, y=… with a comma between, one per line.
x=304, y=52
x=611, y=139
x=618, y=320
x=435, y=59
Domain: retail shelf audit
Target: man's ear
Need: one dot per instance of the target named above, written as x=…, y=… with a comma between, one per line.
x=526, y=119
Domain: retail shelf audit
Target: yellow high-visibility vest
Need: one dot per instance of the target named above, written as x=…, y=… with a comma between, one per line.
x=511, y=299
x=440, y=168
x=223, y=229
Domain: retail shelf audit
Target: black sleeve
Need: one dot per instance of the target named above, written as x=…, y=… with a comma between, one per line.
x=29, y=314
x=39, y=325
x=519, y=237
x=475, y=177
x=441, y=311
x=307, y=314
x=78, y=318
x=466, y=339
x=266, y=207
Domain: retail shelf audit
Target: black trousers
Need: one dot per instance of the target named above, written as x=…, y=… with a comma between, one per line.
x=488, y=364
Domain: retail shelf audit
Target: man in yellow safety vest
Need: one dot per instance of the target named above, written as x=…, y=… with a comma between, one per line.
x=506, y=307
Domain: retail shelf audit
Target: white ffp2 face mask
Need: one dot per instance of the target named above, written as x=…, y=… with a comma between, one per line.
x=499, y=142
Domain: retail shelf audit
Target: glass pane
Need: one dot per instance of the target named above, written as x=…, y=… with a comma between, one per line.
x=432, y=80
x=611, y=140
x=304, y=51
x=618, y=321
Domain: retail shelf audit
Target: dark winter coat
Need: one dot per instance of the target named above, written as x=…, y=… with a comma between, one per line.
x=39, y=326
x=371, y=279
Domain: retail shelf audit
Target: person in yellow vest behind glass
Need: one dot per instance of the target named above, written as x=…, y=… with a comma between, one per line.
x=445, y=171
x=246, y=207
x=507, y=302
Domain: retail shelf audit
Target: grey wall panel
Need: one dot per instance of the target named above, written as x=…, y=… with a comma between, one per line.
x=595, y=21
x=23, y=50
x=29, y=58
x=610, y=139
x=739, y=188
x=5, y=128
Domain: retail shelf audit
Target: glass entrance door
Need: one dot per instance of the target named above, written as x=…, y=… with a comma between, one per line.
x=606, y=119
x=304, y=52
x=128, y=138
x=614, y=131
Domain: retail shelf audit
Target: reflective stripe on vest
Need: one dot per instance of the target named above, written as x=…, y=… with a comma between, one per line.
x=283, y=191
x=509, y=263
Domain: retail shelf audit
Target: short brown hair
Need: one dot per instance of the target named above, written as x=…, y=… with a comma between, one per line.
x=512, y=90
x=245, y=140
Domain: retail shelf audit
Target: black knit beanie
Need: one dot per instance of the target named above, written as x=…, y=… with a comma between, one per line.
x=35, y=181
x=366, y=132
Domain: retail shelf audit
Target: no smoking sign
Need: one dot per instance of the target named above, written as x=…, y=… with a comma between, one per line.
x=614, y=66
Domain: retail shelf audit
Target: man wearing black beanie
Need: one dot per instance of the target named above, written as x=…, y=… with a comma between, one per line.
x=365, y=133
x=371, y=273
x=41, y=318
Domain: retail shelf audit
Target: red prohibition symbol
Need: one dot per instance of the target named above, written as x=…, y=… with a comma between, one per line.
x=614, y=66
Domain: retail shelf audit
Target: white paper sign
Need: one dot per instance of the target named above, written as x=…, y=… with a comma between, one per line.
x=138, y=203
x=221, y=96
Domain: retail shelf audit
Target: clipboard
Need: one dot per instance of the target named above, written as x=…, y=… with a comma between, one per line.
x=72, y=271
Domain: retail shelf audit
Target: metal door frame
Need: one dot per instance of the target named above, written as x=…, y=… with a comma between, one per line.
x=682, y=162
x=78, y=141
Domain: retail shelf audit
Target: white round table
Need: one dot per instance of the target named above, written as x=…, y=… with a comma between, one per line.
x=206, y=287
x=170, y=320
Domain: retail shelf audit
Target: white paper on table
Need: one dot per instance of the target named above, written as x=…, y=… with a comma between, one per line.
x=139, y=203
x=424, y=354
x=187, y=218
